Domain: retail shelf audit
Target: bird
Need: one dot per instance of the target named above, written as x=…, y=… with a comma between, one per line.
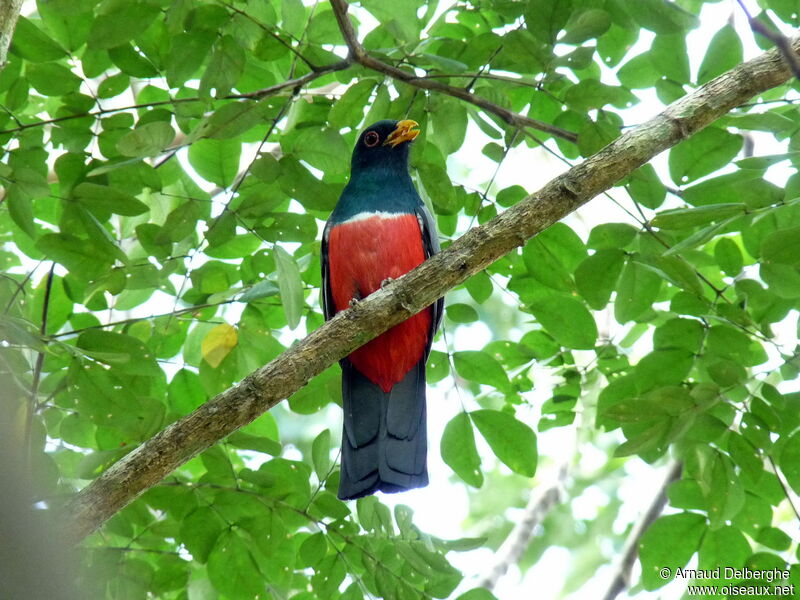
x=379, y=230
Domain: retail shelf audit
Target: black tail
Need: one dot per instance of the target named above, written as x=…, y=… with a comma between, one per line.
x=384, y=443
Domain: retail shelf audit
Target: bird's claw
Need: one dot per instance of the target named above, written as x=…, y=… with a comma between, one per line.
x=386, y=281
x=353, y=302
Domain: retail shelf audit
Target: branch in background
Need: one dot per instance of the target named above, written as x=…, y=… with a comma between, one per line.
x=621, y=580
x=541, y=502
x=474, y=251
x=9, y=13
x=272, y=90
x=37, y=370
x=359, y=55
x=781, y=42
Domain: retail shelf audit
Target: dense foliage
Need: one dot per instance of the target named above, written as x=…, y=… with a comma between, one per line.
x=167, y=166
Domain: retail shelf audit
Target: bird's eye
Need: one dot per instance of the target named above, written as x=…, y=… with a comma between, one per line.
x=371, y=139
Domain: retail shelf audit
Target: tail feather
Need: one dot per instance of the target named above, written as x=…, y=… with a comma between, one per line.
x=384, y=443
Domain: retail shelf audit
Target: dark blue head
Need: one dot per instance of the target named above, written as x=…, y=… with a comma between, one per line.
x=384, y=146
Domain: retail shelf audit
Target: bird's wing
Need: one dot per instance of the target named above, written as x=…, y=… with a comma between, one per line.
x=328, y=308
x=430, y=243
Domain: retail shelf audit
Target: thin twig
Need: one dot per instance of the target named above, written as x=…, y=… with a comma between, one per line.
x=173, y=313
x=37, y=369
x=255, y=95
x=360, y=55
x=541, y=502
x=782, y=43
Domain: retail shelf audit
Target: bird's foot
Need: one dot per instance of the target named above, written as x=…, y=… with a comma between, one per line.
x=386, y=281
x=353, y=302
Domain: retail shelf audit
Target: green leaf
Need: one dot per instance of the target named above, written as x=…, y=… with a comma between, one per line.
x=670, y=58
x=324, y=149
x=262, y=289
x=290, y=285
x=789, y=461
x=703, y=153
x=661, y=17
x=679, y=333
x=783, y=280
x=313, y=550
x=732, y=343
x=646, y=188
x=682, y=218
x=79, y=256
x=231, y=568
x=216, y=161
x=724, y=52
x=123, y=22
x=782, y=246
x=479, y=593
x=199, y=532
x=459, y=451
x=321, y=454
x=104, y=198
x=724, y=546
x=233, y=119
x=611, y=235
x=188, y=52
x=546, y=18
x=728, y=256
x=123, y=352
x=349, y=109
x=52, y=79
x=512, y=441
x=567, y=320
x=20, y=209
x=449, y=120
x=32, y=44
x=461, y=313
x=596, y=277
x=699, y=237
x=225, y=67
x=479, y=366
x=669, y=543
x=637, y=289
x=552, y=255
x=585, y=25
x=774, y=538
x=146, y=140
x=480, y=286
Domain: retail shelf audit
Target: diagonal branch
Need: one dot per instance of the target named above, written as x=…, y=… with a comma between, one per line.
x=360, y=55
x=474, y=251
x=622, y=576
x=541, y=502
x=781, y=42
x=9, y=13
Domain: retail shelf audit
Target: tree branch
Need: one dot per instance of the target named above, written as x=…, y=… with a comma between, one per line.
x=474, y=251
x=360, y=55
x=539, y=505
x=9, y=13
x=622, y=577
x=293, y=84
x=781, y=42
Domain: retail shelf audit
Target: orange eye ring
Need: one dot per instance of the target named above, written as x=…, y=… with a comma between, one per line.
x=371, y=139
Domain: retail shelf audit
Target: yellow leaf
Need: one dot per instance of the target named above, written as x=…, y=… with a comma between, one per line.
x=218, y=343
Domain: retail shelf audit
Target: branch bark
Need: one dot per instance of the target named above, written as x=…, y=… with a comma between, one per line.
x=360, y=55
x=9, y=13
x=474, y=251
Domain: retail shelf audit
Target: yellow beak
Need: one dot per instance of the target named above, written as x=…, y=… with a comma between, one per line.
x=405, y=132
